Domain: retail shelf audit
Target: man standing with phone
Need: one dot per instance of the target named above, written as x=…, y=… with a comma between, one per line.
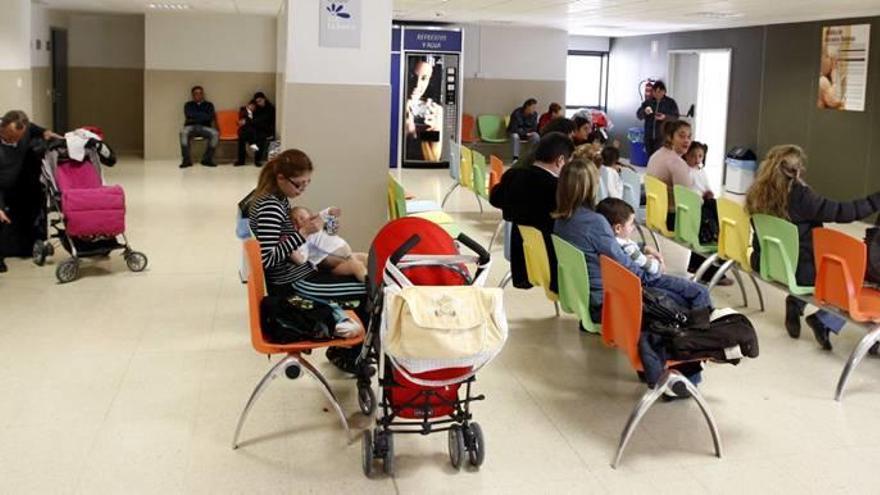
x=655, y=111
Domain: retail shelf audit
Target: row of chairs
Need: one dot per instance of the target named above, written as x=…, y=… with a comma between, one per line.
x=471, y=170
x=492, y=128
x=399, y=206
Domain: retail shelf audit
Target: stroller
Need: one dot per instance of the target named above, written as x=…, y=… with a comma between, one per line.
x=417, y=283
x=90, y=216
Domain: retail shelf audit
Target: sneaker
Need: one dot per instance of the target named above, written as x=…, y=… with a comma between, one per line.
x=185, y=164
x=792, y=318
x=820, y=331
x=238, y=164
x=3, y=267
x=346, y=329
x=254, y=148
x=875, y=349
x=344, y=359
x=677, y=391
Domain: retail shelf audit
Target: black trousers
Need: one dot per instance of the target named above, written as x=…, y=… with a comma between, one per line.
x=696, y=259
x=248, y=135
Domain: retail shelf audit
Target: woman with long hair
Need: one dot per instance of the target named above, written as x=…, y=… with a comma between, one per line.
x=780, y=190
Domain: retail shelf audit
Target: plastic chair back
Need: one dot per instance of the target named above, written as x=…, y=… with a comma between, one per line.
x=496, y=170
x=621, y=309
x=397, y=198
x=632, y=191
x=688, y=215
x=256, y=290
x=537, y=259
x=840, y=269
x=779, y=243
x=734, y=233
x=227, y=124
x=492, y=128
x=454, y=160
x=657, y=205
x=481, y=175
x=466, y=172
x=468, y=126
x=574, y=282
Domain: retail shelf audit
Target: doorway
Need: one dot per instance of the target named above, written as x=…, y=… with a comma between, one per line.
x=59, y=79
x=699, y=80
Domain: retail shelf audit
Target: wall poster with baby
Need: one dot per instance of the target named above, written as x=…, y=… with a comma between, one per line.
x=843, y=67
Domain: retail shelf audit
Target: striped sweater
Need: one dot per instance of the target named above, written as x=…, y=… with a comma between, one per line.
x=631, y=249
x=270, y=222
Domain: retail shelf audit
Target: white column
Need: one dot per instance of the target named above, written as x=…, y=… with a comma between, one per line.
x=15, y=55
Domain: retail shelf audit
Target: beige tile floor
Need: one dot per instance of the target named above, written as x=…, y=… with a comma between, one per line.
x=132, y=383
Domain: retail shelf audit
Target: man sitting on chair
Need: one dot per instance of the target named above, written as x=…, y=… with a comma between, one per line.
x=523, y=125
x=199, y=115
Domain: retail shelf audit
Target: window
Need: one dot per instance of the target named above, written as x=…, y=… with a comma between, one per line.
x=586, y=81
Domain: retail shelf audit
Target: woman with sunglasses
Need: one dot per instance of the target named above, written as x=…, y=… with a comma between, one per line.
x=282, y=179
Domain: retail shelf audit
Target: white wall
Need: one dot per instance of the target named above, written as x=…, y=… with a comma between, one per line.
x=15, y=27
x=367, y=65
x=513, y=52
x=113, y=41
x=589, y=43
x=210, y=42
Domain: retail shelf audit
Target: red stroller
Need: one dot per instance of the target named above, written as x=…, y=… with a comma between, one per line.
x=92, y=215
x=419, y=384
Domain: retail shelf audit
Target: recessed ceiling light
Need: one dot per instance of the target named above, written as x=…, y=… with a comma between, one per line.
x=169, y=6
x=717, y=15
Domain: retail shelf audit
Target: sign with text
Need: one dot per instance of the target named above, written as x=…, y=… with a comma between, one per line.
x=843, y=67
x=431, y=40
x=340, y=24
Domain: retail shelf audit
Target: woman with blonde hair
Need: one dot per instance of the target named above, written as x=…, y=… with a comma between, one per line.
x=780, y=190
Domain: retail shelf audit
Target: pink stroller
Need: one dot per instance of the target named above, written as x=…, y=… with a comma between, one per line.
x=92, y=215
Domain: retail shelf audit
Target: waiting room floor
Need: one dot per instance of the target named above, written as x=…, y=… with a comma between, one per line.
x=132, y=383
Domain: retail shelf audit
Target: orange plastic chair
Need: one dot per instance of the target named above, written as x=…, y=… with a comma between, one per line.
x=468, y=128
x=621, y=328
x=256, y=290
x=496, y=169
x=227, y=125
x=840, y=275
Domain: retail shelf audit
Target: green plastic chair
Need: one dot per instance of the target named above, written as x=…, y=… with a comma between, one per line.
x=688, y=214
x=481, y=175
x=398, y=208
x=779, y=243
x=492, y=128
x=574, y=282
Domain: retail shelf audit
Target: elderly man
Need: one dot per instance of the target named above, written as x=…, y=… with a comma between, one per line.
x=20, y=192
x=199, y=122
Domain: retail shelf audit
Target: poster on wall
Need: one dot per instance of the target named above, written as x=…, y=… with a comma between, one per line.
x=423, y=108
x=340, y=24
x=843, y=67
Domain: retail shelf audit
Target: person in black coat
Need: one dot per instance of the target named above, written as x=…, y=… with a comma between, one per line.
x=527, y=196
x=780, y=190
x=257, y=126
x=655, y=111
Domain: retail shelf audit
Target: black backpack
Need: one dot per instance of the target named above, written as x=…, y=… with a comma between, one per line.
x=284, y=323
x=872, y=239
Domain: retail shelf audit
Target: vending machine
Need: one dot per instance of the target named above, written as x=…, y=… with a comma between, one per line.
x=426, y=95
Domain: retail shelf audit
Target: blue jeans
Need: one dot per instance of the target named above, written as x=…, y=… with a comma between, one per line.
x=515, y=141
x=834, y=322
x=687, y=294
x=190, y=131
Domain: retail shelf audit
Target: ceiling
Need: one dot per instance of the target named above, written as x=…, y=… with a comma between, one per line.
x=591, y=17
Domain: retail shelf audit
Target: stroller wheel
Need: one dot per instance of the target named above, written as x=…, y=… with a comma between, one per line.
x=136, y=261
x=476, y=447
x=367, y=453
x=48, y=248
x=67, y=271
x=39, y=253
x=366, y=398
x=456, y=446
x=388, y=458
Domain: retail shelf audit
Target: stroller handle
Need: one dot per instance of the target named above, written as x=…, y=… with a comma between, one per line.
x=404, y=248
x=474, y=246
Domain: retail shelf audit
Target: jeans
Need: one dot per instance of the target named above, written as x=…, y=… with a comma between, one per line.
x=515, y=141
x=190, y=131
x=834, y=322
x=687, y=294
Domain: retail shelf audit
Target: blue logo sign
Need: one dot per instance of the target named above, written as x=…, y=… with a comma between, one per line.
x=338, y=10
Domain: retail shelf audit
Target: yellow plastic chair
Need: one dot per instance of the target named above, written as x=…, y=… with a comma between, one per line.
x=657, y=205
x=466, y=171
x=734, y=246
x=538, y=261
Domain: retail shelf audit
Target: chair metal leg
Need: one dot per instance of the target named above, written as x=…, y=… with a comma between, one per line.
x=718, y=275
x=262, y=385
x=479, y=202
x=757, y=289
x=698, y=275
x=654, y=238
x=742, y=287
x=328, y=392
x=556, y=306
x=854, y=359
x=506, y=279
x=449, y=193
x=496, y=234
x=704, y=407
x=641, y=233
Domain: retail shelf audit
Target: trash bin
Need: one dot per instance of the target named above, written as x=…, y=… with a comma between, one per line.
x=637, y=154
x=740, y=168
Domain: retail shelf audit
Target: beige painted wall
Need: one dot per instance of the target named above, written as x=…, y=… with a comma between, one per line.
x=41, y=87
x=166, y=91
x=351, y=167
x=501, y=96
x=15, y=90
x=111, y=99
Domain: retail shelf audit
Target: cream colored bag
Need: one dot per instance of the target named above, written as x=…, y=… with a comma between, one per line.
x=444, y=325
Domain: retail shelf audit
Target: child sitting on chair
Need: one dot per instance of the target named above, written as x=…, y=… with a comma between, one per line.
x=327, y=251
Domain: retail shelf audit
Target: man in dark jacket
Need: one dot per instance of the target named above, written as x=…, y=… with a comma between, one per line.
x=523, y=125
x=199, y=122
x=655, y=111
x=527, y=196
x=21, y=197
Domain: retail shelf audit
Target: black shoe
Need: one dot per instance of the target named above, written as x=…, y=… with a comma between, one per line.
x=238, y=164
x=185, y=164
x=259, y=164
x=209, y=164
x=820, y=331
x=3, y=267
x=875, y=349
x=677, y=391
x=792, y=318
x=344, y=359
